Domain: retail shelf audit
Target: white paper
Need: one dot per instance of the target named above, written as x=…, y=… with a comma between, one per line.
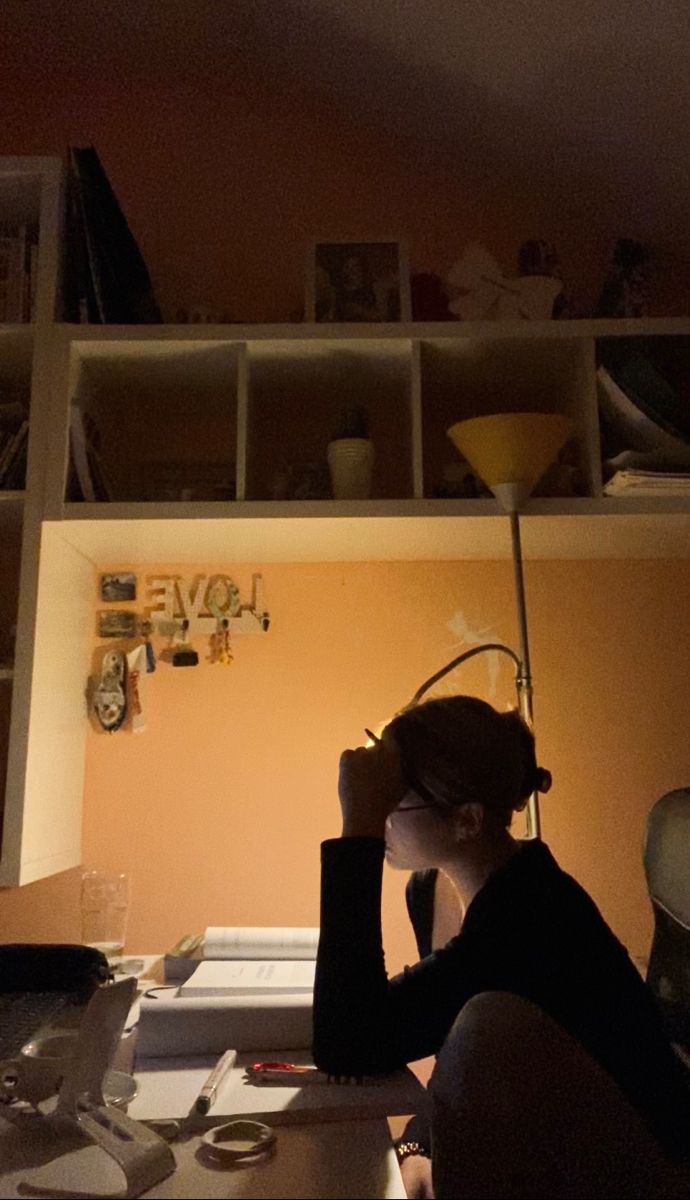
x=171, y=1025
x=168, y=1089
x=263, y=942
x=239, y=977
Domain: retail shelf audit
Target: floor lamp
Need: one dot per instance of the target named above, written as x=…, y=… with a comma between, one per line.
x=510, y=452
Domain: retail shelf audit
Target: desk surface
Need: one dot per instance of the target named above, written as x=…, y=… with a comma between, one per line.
x=325, y=1147
x=343, y=1159
x=168, y=1089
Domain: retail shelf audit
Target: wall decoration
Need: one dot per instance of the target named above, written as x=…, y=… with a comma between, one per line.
x=183, y=654
x=203, y=602
x=626, y=289
x=480, y=292
x=146, y=628
x=119, y=587
x=110, y=696
x=537, y=257
x=136, y=687
x=116, y=623
x=358, y=281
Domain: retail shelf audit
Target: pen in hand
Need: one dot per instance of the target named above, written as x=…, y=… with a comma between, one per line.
x=207, y=1094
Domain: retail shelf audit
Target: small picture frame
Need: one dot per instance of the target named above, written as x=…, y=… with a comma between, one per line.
x=358, y=281
x=116, y=623
x=118, y=587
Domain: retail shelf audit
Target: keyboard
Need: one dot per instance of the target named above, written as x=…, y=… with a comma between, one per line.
x=22, y=1015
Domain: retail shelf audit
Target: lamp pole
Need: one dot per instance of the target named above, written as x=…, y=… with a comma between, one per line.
x=524, y=679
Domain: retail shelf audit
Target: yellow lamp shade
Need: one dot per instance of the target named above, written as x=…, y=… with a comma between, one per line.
x=511, y=451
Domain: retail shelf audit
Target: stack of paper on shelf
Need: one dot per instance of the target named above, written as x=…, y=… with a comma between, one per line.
x=655, y=454
x=647, y=483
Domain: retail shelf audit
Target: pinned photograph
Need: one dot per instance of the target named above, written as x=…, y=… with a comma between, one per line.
x=358, y=281
x=116, y=623
x=120, y=587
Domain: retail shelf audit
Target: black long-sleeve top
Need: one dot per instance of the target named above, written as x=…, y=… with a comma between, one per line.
x=531, y=930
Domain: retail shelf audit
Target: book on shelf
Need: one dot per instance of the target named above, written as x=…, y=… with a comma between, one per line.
x=13, y=459
x=108, y=281
x=14, y=439
x=18, y=260
x=91, y=474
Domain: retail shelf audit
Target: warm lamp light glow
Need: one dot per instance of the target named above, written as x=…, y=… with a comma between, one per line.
x=511, y=451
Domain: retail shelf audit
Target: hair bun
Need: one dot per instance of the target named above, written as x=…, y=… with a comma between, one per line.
x=542, y=779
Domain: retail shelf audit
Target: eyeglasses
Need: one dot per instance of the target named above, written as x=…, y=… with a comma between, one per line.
x=414, y=808
x=430, y=802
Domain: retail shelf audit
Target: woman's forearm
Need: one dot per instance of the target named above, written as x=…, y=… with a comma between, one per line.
x=352, y=1035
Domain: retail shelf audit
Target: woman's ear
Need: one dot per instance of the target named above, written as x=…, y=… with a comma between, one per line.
x=468, y=821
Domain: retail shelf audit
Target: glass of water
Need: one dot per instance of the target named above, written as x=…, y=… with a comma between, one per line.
x=104, y=910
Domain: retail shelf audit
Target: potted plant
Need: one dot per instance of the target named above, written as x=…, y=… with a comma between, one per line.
x=351, y=457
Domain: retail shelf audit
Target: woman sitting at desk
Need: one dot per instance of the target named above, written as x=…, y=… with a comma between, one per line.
x=438, y=792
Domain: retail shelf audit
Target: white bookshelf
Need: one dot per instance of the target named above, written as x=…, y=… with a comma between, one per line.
x=238, y=403
x=274, y=394
x=30, y=192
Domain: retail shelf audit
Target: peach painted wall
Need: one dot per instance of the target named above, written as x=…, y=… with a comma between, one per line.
x=217, y=810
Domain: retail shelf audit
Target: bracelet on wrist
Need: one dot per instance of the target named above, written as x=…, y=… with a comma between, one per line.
x=407, y=1149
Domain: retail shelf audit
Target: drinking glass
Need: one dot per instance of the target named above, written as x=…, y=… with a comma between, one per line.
x=104, y=910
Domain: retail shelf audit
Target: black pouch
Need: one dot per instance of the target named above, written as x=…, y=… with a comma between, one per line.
x=30, y=967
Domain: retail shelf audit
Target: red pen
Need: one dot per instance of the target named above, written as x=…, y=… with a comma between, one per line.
x=294, y=1074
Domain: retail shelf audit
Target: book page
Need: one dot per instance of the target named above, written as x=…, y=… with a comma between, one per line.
x=252, y=977
x=255, y=941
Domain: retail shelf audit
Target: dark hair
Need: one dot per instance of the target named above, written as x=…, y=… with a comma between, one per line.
x=459, y=749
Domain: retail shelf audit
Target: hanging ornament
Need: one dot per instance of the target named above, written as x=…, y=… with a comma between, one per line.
x=146, y=628
x=225, y=656
x=183, y=654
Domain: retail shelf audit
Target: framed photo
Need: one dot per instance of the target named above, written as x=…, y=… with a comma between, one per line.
x=122, y=586
x=358, y=281
x=116, y=623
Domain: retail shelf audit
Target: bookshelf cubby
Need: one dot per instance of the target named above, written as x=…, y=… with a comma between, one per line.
x=213, y=444
x=298, y=397
x=163, y=417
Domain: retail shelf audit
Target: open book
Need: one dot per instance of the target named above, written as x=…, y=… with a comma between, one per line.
x=253, y=977
x=243, y=943
x=260, y=942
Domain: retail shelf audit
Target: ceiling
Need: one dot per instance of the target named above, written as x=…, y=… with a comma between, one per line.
x=594, y=92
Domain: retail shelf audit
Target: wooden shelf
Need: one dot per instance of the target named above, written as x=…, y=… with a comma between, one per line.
x=359, y=530
x=353, y=331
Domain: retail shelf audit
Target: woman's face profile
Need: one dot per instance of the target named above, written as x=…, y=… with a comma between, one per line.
x=417, y=835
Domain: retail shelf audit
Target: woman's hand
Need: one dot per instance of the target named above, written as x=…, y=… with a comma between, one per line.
x=370, y=786
x=416, y=1175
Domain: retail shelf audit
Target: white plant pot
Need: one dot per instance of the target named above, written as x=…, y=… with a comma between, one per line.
x=351, y=461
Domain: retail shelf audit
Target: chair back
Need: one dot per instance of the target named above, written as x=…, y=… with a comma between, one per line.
x=667, y=869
